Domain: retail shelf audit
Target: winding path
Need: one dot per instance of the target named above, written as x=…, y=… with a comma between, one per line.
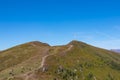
x=70, y=47
x=44, y=59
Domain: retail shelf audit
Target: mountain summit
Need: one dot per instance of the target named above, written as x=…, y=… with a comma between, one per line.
x=74, y=61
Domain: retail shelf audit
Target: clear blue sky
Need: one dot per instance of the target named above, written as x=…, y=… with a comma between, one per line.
x=57, y=22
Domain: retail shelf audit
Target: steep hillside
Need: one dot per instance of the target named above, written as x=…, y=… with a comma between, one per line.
x=74, y=61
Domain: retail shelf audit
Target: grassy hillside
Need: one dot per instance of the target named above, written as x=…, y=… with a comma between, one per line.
x=22, y=58
x=74, y=61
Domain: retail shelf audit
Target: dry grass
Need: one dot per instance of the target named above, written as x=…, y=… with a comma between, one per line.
x=79, y=62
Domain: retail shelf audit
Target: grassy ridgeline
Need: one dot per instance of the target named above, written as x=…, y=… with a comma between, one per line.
x=74, y=61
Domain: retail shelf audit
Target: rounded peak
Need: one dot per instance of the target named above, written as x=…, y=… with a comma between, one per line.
x=35, y=42
x=38, y=43
x=75, y=42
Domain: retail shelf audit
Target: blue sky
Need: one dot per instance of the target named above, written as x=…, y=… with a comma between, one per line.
x=57, y=22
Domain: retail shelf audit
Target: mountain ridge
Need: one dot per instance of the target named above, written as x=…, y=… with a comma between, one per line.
x=75, y=60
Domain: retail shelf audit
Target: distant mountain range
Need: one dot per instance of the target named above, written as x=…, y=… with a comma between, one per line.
x=73, y=61
x=116, y=50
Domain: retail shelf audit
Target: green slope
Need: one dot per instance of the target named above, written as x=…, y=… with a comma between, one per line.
x=83, y=62
x=18, y=59
x=74, y=61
